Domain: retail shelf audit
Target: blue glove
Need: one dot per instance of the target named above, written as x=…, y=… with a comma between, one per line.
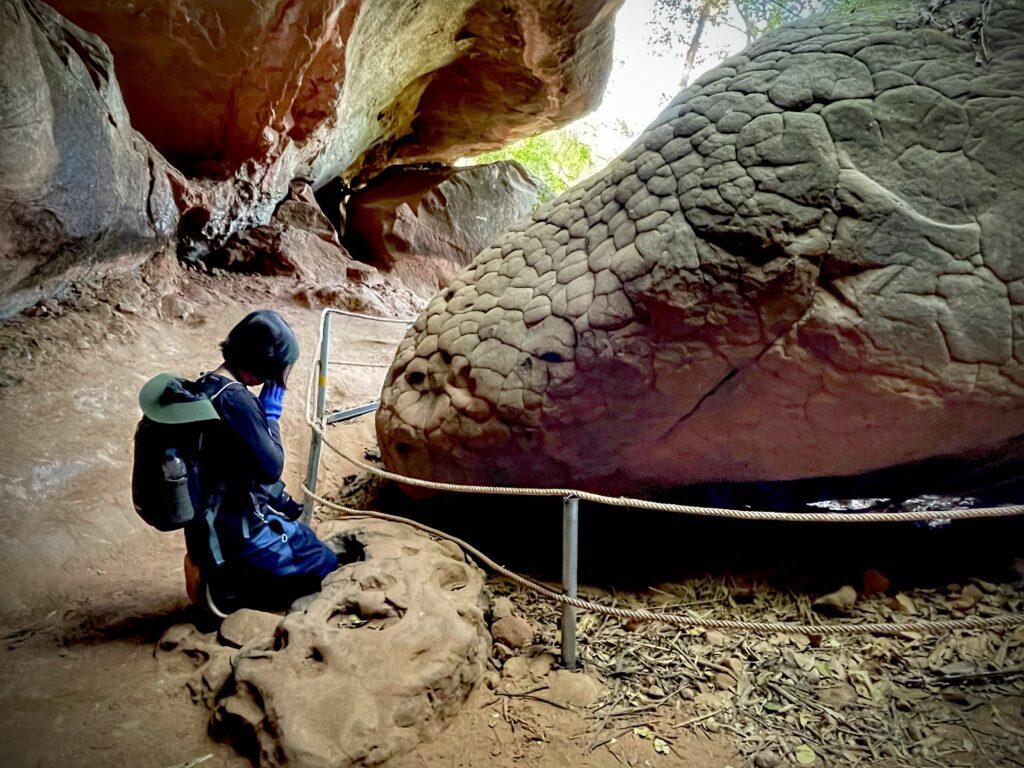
x=272, y=400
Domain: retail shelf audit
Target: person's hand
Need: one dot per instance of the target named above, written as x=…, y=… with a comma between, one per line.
x=272, y=400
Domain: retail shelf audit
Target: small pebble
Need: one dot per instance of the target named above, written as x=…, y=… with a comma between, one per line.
x=766, y=760
x=501, y=652
x=515, y=668
x=541, y=664
x=969, y=597
x=512, y=631
x=501, y=607
x=724, y=682
x=875, y=583
x=840, y=601
x=715, y=638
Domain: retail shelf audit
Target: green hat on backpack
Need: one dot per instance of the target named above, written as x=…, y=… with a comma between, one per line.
x=164, y=400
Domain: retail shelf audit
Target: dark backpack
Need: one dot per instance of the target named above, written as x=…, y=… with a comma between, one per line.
x=166, y=487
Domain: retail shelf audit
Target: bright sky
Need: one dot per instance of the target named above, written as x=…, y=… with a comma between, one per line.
x=644, y=78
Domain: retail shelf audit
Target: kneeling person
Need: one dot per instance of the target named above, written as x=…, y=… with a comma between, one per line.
x=246, y=548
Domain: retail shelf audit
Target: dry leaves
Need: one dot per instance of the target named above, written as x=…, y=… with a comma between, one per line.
x=856, y=700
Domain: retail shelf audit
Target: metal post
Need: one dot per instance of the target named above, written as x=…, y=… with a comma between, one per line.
x=316, y=440
x=570, y=564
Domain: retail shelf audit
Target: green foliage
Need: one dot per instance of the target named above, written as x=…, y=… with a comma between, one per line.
x=674, y=19
x=556, y=160
x=763, y=15
x=681, y=23
x=759, y=16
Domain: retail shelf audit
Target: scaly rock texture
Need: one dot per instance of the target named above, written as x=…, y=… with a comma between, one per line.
x=371, y=666
x=79, y=188
x=809, y=265
x=258, y=93
x=425, y=224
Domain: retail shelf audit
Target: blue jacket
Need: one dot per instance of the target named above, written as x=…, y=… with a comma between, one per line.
x=241, y=461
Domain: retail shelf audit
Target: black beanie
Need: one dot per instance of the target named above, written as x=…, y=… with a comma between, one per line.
x=262, y=344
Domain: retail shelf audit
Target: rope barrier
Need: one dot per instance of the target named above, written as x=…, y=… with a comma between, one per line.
x=735, y=625
x=924, y=627
x=646, y=504
x=684, y=509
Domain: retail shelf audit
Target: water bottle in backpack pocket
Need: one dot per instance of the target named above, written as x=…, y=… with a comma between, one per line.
x=177, y=500
x=168, y=440
x=164, y=481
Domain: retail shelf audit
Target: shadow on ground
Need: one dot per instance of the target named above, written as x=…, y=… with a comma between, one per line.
x=633, y=549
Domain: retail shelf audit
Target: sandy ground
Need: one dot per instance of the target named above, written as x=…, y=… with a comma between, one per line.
x=88, y=589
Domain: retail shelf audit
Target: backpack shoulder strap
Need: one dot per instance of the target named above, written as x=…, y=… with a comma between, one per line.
x=216, y=394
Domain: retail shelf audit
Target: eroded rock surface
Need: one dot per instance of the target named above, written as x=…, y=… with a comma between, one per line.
x=298, y=240
x=78, y=186
x=259, y=93
x=372, y=666
x=809, y=265
x=425, y=224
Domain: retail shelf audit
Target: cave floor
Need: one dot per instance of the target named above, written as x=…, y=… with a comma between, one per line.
x=87, y=591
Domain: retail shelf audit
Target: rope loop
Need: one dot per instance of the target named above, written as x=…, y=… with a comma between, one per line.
x=733, y=625
x=882, y=628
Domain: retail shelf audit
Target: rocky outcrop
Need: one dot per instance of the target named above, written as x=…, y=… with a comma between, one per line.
x=809, y=265
x=259, y=93
x=298, y=240
x=369, y=668
x=425, y=224
x=245, y=98
x=79, y=188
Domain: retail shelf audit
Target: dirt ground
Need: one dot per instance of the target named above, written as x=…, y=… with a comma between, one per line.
x=88, y=589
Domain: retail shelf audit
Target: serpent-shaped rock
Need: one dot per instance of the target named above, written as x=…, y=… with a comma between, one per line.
x=809, y=265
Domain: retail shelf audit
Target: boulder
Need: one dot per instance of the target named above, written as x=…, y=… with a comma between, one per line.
x=808, y=266
x=255, y=93
x=298, y=240
x=425, y=224
x=80, y=190
x=373, y=665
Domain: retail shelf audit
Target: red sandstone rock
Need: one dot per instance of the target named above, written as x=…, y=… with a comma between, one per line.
x=298, y=241
x=425, y=224
x=258, y=93
x=512, y=631
x=244, y=97
x=79, y=188
x=378, y=661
